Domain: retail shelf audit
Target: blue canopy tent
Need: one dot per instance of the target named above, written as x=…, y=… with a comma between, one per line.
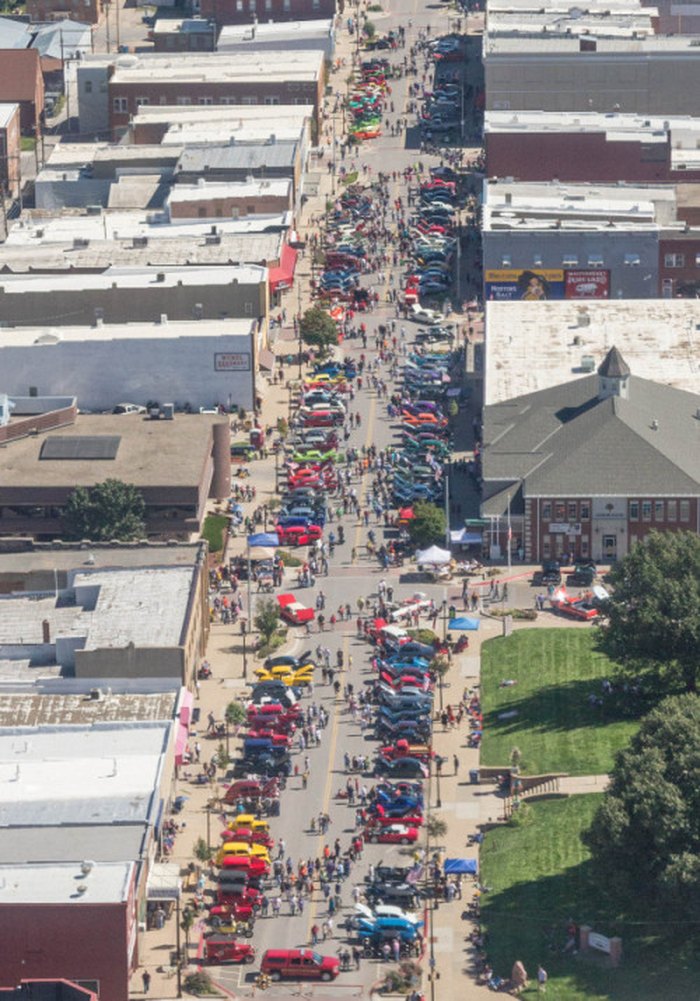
x=461, y=865
x=464, y=623
x=264, y=539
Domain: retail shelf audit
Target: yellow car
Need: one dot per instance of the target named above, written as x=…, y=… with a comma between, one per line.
x=249, y=822
x=288, y=675
x=242, y=849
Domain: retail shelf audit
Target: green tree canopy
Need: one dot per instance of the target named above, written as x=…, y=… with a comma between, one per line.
x=318, y=329
x=654, y=611
x=428, y=525
x=645, y=837
x=267, y=618
x=109, y=510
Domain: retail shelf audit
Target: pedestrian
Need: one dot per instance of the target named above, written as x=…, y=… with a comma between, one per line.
x=455, y=762
x=541, y=979
x=146, y=978
x=197, y=750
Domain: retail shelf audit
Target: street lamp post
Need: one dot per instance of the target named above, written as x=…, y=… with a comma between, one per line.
x=178, y=957
x=244, y=629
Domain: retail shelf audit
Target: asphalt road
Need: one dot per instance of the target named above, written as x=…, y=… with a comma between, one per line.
x=346, y=582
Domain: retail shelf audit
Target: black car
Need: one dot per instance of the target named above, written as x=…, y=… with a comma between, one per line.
x=549, y=574
x=401, y=894
x=262, y=764
x=390, y=873
x=276, y=690
x=582, y=576
x=403, y=768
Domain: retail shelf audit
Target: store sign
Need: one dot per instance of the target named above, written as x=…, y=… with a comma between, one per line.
x=599, y=942
x=590, y=284
x=230, y=361
x=610, y=507
x=565, y=528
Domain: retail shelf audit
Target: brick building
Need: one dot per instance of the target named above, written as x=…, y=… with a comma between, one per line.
x=89, y=11
x=591, y=146
x=588, y=468
x=237, y=200
x=22, y=81
x=246, y=11
x=10, y=165
x=189, y=34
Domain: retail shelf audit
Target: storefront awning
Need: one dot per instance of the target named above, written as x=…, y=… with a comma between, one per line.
x=282, y=277
x=164, y=881
x=266, y=359
x=183, y=725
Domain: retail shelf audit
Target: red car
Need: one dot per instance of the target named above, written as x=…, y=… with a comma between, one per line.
x=249, y=864
x=298, y=535
x=229, y=898
x=293, y=611
x=244, y=910
x=580, y=608
x=225, y=949
x=246, y=789
x=392, y=834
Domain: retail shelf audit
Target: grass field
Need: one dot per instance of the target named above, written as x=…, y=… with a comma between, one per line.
x=540, y=876
x=213, y=530
x=555, y=728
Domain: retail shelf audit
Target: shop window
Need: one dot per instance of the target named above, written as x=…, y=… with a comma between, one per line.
x=584, y=545
x=546, y=548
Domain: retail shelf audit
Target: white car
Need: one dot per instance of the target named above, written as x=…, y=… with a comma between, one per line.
x=128, y=408
x=421, y=315
x=386, y=911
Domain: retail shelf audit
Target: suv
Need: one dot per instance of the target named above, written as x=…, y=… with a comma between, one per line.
x=128, y=408
x=299, y=964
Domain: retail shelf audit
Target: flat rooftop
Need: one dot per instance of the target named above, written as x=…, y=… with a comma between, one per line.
x=106, y=773
x=253, y=248
x=659, y=339
x=81, y=155
x=27, y=336
x=108, y=883
x=235, y=156
x=132, y=278
x=104, y=608
x=555, y=45
x=121, y=224
x=184, y=26
x=6, y=112
x=521, y=205
x=213, y=132
x=654, y=128
x=274, y=187
x=600, y=24
x=71, y=843
x=282, y=31
x=275, y=65
x=151, y=454
x=238, y=116
x=33, y=709
x=22, y=557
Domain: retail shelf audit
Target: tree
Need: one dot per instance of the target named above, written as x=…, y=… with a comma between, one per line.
x=437, y=828
x=645, y=837
x=109, y=510
x=427, y=525
x=186, y=922
x=267, y=619
x=654, y=610
x=235, y=714
x=318, y=329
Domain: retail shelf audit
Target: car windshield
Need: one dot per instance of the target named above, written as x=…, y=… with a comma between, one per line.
x=317, y=958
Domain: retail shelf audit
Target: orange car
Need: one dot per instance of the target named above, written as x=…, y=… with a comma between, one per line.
x=423, y=420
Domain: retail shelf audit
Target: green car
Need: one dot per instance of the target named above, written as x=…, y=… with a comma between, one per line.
x=313, y=455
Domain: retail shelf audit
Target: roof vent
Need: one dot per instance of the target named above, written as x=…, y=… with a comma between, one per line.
x=87, y=866
x=655, y=425
x=81, y=888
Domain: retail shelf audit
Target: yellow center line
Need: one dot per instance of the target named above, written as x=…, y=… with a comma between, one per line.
x=365, y=478
x=327, y=792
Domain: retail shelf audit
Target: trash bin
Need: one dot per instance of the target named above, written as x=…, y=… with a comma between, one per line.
x=474, y=776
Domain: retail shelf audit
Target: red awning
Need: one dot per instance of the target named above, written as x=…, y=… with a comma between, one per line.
x=283, y=276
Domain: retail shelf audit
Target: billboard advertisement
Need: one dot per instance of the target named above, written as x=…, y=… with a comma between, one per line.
x=537, y=284
x=592, y=283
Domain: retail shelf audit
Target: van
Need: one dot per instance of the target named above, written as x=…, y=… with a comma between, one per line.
x=299, y=964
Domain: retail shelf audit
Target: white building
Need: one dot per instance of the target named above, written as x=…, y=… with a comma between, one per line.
x=201, y=362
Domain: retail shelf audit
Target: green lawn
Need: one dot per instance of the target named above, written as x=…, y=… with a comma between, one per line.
x=540, y=876
x=555, y=728
x=213, y=530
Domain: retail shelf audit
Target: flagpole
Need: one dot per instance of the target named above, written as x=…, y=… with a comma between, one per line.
x=509, y=534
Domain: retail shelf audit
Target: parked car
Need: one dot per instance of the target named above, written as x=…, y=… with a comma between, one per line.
x=226, y=949
x=293, y=611
x=299, y=964
x=392, y=834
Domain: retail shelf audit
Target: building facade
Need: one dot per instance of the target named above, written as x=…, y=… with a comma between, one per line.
x=10, y=163
x=246, y=11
